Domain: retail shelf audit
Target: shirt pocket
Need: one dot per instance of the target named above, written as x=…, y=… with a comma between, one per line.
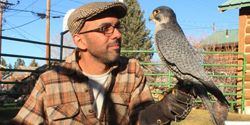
x=120, y=98
x=63, y=111
x=119, y=106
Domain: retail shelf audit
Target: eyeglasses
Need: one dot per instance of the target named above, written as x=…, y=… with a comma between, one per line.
x=107, y=29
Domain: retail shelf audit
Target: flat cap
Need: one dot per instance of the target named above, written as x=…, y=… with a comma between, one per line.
x=85, y=12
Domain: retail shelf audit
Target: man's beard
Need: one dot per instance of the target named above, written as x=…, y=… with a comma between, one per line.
x=109, y=58
x=115, y=60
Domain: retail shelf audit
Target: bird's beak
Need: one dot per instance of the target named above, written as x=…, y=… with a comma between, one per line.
x=151, y=17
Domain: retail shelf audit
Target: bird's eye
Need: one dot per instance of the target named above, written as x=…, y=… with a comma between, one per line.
x=156, y=11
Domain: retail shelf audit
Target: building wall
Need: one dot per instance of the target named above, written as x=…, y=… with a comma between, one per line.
x=244, y=47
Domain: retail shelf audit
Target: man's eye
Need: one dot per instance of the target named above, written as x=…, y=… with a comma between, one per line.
x=119, y=26
x=105, y=28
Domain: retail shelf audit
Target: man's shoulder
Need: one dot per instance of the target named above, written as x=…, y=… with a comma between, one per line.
x=130, y=65
x=56, y=73
x=125, y=60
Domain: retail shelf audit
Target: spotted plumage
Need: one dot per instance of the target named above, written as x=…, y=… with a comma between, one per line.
x=182, y=59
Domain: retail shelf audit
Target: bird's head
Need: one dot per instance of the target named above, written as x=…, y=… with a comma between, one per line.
x=163, y=14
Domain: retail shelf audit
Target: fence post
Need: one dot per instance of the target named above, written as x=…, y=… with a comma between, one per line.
x=61, y=47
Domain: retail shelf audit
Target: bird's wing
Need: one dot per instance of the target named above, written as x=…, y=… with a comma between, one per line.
x=177, y=51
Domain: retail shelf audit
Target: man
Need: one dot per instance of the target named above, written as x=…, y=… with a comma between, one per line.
x=95, y=85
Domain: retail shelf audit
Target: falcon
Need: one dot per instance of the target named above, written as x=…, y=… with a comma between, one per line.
x=185, y=62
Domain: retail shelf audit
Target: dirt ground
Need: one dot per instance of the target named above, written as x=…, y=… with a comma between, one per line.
x=196, y=117
x=201, y=117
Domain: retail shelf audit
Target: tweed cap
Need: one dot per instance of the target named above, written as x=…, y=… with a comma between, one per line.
x=77, y=19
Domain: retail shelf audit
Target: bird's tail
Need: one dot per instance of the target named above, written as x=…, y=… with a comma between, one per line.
x=201, y=91
x=214, y=90
x=221, y=112
x=221, y=106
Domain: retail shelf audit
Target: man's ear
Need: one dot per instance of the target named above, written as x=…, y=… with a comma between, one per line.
x=80, y=41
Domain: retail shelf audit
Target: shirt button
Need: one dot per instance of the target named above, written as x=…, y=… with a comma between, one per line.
x=91, y=111
x=158, y=122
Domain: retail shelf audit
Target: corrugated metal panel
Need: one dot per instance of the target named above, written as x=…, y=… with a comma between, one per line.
x=222, y=37
x=233, y=4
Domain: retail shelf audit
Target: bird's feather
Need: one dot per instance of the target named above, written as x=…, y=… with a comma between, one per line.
x=185, y=58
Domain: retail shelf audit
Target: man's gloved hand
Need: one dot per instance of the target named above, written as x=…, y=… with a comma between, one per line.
x=175, y=106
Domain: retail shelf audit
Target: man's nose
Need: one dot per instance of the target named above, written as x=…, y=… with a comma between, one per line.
x=117, y=33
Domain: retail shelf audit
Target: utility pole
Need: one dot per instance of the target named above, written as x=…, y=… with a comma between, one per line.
x=1, y=18
x=1, y=25
x=48, y=32
x=3, y=4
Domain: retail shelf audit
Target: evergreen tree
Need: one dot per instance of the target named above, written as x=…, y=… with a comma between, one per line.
x=135, y=35
x=9, y=67
x=33, y=63
x=19, y=62
x=3, y=62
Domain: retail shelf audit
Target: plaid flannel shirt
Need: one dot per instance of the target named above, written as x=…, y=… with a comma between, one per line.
x=62, y=96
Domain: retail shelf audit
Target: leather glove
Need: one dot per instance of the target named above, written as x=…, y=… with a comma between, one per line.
x=175, y=106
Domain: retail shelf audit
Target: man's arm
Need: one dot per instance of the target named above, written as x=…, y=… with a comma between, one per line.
x=175, y=106
x=32, y=112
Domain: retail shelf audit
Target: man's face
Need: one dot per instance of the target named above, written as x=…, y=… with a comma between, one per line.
x=103, y=44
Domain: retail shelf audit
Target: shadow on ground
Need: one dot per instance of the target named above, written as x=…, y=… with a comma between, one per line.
x=7, y=113
x=201, y=117
x=196, y=117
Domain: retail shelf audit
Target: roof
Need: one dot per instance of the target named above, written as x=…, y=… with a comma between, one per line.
x=233, y=4
x=221, y=37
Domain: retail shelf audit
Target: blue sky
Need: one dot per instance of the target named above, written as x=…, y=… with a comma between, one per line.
x=196, y=17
